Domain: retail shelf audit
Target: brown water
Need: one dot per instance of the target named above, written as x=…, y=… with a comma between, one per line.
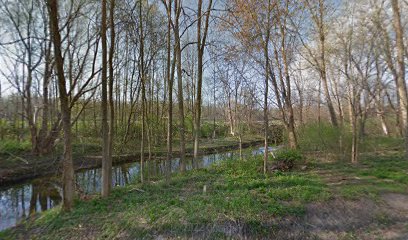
x=18, y=202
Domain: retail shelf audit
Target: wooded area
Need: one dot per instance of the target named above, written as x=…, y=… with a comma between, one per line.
x=163, y=80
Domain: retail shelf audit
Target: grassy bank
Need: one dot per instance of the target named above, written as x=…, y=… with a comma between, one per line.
x=238, y=200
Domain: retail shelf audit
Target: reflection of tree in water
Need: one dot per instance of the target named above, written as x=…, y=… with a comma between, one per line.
x=20, y=201
x=125, y=172
x=89, y=181
x=44, y=195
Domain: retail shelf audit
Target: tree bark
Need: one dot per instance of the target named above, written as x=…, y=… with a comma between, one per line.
x=170, y=95
x=68, y=167
x=201, y=41
x=106, y=165
x=265, y=110
x=110, y=93
x=323, y=73
x=180, y=97
x=401, y=85
x=142, y=78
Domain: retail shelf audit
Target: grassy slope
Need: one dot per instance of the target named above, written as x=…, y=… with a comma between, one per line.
x=237, y=193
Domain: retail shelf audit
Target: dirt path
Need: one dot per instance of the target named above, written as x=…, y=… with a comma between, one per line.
x=384, y=217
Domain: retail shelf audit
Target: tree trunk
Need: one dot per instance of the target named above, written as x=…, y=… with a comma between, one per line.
x=401, y=85
x=230, y=117
x=197, y=107
x=354, y=141
x=170, y=96
x=68, y=167
x=265, y=110
x=106, y=164
x=142, y=78
x=323, y=73
x=292, y=140
x=180, y=97
x=110, y=93
x=201, y=41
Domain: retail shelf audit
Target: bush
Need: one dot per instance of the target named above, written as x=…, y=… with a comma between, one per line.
x=206, y=130
x=286, y=159
x=324, y=137
x=14, y=146
x=276, y=133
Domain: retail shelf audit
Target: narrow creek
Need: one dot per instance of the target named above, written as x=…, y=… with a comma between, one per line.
x=20, y=201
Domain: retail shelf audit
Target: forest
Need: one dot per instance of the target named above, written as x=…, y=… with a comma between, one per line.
x=203, y=119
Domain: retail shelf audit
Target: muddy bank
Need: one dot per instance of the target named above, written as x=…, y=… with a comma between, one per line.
x=50, y=165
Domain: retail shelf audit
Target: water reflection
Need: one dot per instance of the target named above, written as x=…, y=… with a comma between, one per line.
x=90, y=180
x=22, y=201
x=19, y=202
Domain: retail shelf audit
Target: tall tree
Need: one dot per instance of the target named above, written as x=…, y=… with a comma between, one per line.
x=201, y=42
x=143, y=83
x=317, y=9
x=284, y=48
x=265, y=46
x=401, y=84
x=169, y=77
x=180, y=98
x=111, y=81
x=68, y=166
x=106, y=160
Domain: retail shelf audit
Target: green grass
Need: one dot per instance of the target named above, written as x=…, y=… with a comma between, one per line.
x=237, y=192
x=374, y=175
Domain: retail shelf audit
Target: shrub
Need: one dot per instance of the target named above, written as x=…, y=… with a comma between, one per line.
x=286, y=159
x=324, y=137
x=14, y=146
x=206, y=130
x=276, y=133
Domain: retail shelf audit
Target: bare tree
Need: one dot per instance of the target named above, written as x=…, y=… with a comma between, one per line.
x=180, y=98
x=201, y=43
x=68, y=167
x=317, y=11
x=401, y=84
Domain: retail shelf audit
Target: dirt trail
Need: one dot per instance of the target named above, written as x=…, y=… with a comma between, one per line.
x=386, y=218
x=365, y=218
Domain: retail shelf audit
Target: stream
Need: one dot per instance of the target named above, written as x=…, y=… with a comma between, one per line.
x=20, y=201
